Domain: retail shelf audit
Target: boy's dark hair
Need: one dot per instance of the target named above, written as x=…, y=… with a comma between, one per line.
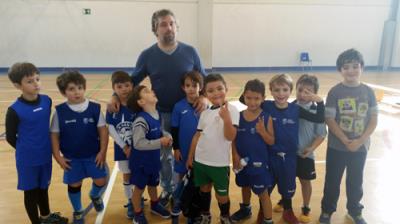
x=349, y=56
x=281, y=79
x=159, y=14
x=194, y=76
x=134, y=96
x=120, y=77
x=213, y=77
x=309, y=80
x=254, y=85
x=70, y=77
x=21, y=69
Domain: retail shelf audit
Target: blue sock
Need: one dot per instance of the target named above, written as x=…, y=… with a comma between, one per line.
x=74, y=195
x=95, y=191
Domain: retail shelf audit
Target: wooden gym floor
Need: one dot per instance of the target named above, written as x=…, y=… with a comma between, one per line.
x=380, y=182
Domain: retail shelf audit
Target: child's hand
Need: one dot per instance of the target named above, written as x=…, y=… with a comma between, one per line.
x=166, y=141
x=306, y=153
x=100, y=159
x=113, y=105
x=177, y=155
x=236, y=163
x=224, y=112
x=189, y=163
x=310, y=96
x=354, y=145
x=63, y=162
x=127, y=151
x=260, y=126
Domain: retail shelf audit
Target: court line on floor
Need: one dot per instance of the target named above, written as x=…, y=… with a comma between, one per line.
x=107, y=194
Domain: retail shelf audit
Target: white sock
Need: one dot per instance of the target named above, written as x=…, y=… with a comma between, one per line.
x=128, y=190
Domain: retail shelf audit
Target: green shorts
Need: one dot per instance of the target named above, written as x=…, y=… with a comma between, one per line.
x=219, y=176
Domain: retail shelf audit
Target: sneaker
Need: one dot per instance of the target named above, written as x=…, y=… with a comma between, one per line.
x=78, y=218
x=289, y=217
x=54, y=218
x=159, y=210
x=203, y=219
x=165, y=198
x=278, y=207
x=357, y=219
x=225, y=220
x=129, y=210
x=176, y=209
x=139, y=219
x=325, y=218
x=305, y=216
x=244, y=212
x=97, y=203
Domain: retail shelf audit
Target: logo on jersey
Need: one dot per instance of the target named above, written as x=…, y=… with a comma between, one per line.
x=70, y=121
x=38, y=109
x=253, y=131
x=88, y=120
x=124, y=129
x=184, y=112
x=287, y=121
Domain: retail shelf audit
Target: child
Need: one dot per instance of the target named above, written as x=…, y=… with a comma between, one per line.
x=120, y=129
x=255, y=131
x=184, y=122
x=27, y=120
x=351, y=116
x=211, y=147
x=144, y=161
x=285, y=117
x=311, y=135
x=79, y=132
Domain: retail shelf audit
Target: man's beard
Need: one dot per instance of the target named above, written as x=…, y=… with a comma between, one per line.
x=169, y=39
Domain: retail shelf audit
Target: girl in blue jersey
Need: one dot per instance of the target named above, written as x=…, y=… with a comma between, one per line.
x=144, y=161
x=120, y=129
x=255, y=131
x=79, y=139
x=184, y=121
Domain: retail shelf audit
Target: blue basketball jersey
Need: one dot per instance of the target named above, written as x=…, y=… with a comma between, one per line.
x=79, y=137
x=250, y=144
x=147, y=159
x=122, y=122
x=286, y=127
x=185, y=117
x=33, y=145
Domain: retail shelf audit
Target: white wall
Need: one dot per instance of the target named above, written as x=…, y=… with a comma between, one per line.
x=244, y=33
x=57, y=34
x=273, y=33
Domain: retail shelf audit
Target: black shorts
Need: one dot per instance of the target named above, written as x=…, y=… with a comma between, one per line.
x=305, y=168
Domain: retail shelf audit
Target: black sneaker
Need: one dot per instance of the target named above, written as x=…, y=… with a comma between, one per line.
x=54, y=218
x=165, y=198
x=244, y=212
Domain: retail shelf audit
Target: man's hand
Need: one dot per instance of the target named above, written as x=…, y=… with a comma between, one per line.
x=200, y=104
x=177, y=155
x=113, y=105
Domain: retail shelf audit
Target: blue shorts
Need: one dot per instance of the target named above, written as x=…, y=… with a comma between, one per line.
x=32, y=177
x=180, y=167
x=83, y=168
x=259, y=182
x=284, y=173
x=140, y=178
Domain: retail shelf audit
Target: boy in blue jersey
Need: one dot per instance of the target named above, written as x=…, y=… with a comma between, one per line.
x=184, y=120
x=120, y=129
x=254, y=134
x=27, y=122
x=79, y=140
x=285, y=118
x=351, y=116
x=144, y=161
x=211, y=149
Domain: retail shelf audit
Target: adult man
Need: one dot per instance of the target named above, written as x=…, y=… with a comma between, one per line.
x=165, y=62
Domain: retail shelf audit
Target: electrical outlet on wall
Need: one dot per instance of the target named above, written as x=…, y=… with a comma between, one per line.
x=86, y=11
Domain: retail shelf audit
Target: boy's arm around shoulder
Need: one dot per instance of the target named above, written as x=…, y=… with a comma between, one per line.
x=319, y=117
x=230, y=116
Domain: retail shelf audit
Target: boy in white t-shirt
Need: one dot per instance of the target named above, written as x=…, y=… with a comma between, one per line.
x=211, y=149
